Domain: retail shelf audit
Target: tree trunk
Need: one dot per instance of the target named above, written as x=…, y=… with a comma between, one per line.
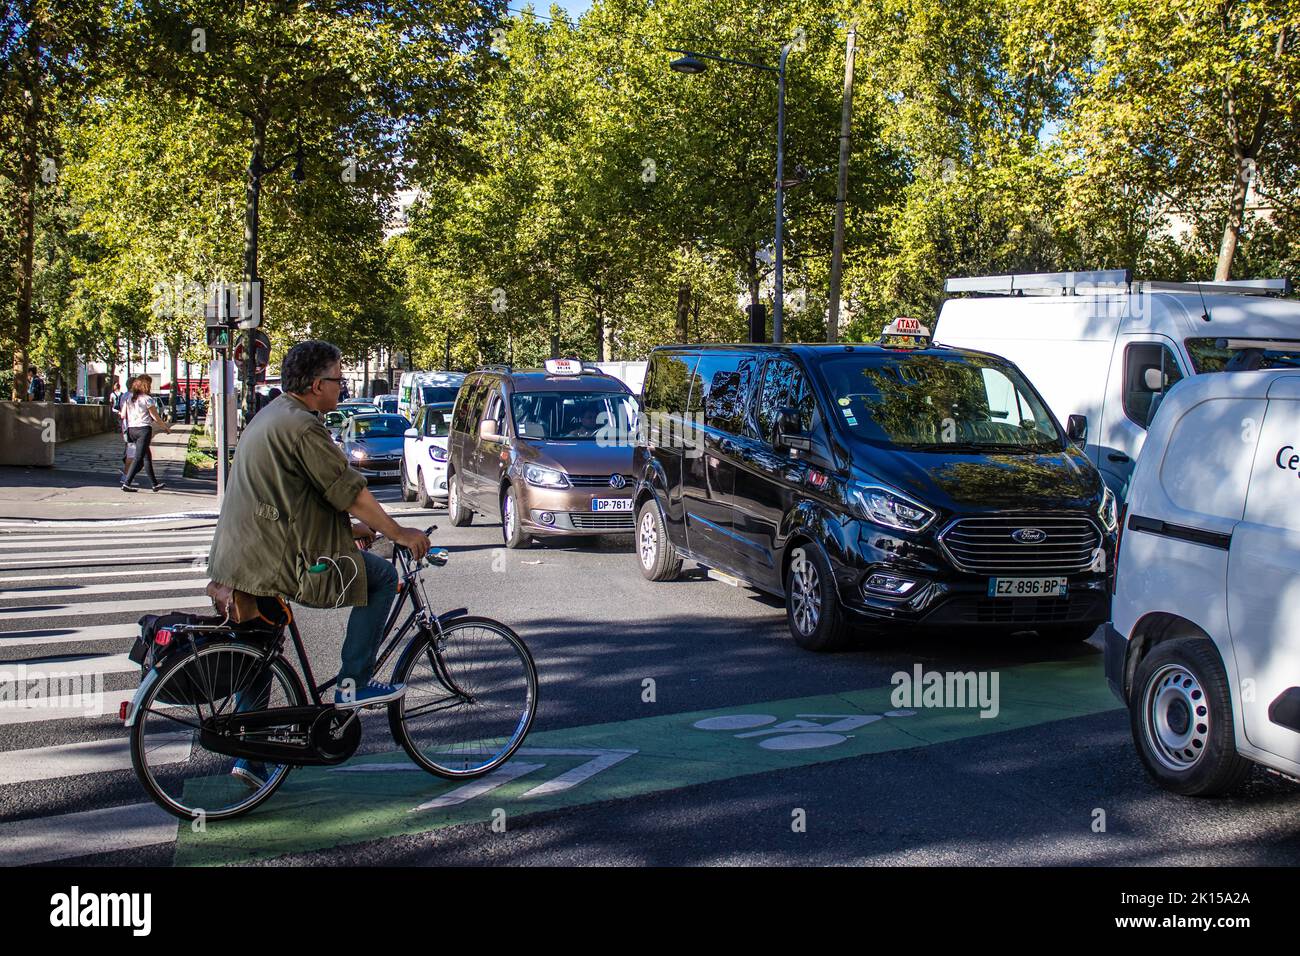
x=26, y=192
x=173, y=350
x=1236, y=218
x=600, y=328
x=252, y=198
x=683, y=312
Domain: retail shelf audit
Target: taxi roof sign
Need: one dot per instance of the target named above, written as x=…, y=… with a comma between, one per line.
x=905, y=333
x=563, y=366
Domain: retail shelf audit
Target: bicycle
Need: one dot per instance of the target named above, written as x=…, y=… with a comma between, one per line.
x=470, y=701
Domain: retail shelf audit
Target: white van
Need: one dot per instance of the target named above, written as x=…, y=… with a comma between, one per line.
x=1204, y=647
x=1099, y=345
x=417, y=389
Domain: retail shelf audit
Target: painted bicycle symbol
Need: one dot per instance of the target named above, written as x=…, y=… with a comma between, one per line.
x=805, y=732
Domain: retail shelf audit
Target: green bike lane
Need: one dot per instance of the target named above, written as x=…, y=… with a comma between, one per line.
x=384, y=795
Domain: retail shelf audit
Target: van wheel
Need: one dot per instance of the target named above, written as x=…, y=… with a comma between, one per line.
x=1180, y=712
x=511, y=528
x=426, y=500
x=1067, y=634
x=812, y=604
x=658, y=557
x=459, y=515
x=408, y=490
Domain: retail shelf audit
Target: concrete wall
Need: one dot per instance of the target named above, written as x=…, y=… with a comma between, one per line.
x=29, y=430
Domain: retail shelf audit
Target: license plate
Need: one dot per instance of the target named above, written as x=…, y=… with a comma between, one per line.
x=388, y=474
x=611, y=504
x=1027, y=587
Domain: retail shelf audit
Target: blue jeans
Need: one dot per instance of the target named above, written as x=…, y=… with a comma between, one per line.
x=366, y=624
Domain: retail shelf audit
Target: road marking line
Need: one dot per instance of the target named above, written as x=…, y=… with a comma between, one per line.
x=17, y=671
x=571, y=778
x=481, y=786
x=45, y=839
x=71, y=635
x=108, y=551
x=77, y=590
x=53, y=523
x=89, y=756
x=104, y=607
x=63, y=708
x=99, y=574
x=180, y=537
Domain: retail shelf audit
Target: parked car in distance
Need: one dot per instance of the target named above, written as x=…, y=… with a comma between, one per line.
x=386, y=404
x=890, y=485
x=373, y=444
x=544, y=452
x=1203, y=648
x=1101, y=345
x=424, y=461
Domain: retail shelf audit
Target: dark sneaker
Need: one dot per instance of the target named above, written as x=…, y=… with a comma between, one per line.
x=130, y=488
x=158, y=486
x=252, y=773
x=375, y=692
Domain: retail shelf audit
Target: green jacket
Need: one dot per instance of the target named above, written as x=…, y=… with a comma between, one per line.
x=285, y=509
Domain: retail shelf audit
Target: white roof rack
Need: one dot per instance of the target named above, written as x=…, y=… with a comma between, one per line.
x=1045, y=283
x=1102, y=282
x=1231, y=286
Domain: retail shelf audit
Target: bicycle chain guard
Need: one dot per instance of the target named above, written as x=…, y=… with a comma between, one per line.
x=297, y=736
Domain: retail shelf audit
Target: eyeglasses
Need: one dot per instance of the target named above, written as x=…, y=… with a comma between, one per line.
x=338, y=381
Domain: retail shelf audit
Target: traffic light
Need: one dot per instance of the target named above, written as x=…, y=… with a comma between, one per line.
x=219, y=337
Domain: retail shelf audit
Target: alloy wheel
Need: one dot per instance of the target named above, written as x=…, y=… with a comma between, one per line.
x=648, y=539
x=807, y=595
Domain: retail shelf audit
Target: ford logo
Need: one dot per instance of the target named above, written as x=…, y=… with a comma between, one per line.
x=617, y=481
x=1029, y=535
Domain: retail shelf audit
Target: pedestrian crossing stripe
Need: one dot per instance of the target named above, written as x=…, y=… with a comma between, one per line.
x=319, y=808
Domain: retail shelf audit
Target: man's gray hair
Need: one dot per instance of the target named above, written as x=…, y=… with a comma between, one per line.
x=306, y=362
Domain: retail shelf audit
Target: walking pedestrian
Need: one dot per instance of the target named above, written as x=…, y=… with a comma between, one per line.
x=140, y=414
x=35, y=385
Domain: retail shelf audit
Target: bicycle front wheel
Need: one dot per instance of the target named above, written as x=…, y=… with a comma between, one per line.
x=471, y=695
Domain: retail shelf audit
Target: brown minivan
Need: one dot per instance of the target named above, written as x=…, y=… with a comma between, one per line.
x=545, y=452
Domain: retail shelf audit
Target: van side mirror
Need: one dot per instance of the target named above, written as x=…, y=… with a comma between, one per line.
x=1154, y=379
x=787, y=433
x=488, y=431
x=411, y=433
x=1076, y=429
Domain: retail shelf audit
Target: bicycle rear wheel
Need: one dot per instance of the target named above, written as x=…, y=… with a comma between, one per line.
x=182, y=777
x=471, y=697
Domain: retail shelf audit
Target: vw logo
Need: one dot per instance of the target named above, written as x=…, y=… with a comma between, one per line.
x=1029, y=535
x=617, y=481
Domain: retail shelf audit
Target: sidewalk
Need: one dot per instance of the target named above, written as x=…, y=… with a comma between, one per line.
x=85, y=482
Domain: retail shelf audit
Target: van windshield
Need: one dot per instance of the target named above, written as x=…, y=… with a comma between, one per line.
x=439, y=394
x=939, y=402
x=572, y=416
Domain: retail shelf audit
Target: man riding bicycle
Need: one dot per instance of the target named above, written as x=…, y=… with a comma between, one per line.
x=287, y=510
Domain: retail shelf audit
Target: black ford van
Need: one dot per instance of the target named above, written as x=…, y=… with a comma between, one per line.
x=880, y=485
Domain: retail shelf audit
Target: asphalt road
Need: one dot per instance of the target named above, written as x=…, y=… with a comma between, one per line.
x=683, y=682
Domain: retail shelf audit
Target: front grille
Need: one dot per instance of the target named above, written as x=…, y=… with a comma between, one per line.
x=985, y=545
x=1027, y=612
x=594, y=481
x=615, y=521
x=380, y=464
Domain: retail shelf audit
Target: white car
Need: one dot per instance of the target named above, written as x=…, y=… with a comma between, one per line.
x=424, y=457
x=1105, y=347
x=1204, y=646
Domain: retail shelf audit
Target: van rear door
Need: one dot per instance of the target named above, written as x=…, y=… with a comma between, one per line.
x=1264, y=576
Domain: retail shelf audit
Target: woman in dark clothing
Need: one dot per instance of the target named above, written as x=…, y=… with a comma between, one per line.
x=140, y=413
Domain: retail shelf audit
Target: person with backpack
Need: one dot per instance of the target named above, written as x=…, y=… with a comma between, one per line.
x=35, y=385
x=140, y=416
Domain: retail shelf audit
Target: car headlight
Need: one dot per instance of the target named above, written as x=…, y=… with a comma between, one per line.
x=890, y=508
x=437, y=453
x=358, y=454
x=545, y=477
x=1108, y=510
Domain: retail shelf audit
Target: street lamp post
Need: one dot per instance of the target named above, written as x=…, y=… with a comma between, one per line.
x=692, y=63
